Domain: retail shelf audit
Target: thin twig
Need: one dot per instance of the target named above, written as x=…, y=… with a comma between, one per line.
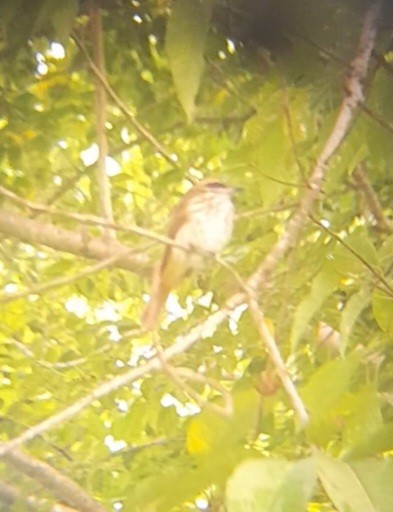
x=277, y=360
x=288, y=118
x=371, y=199
x=388, y=288
x=179, y=375
x=122, y=106
x=62, y=365
x=271, y=346
x=63, y=281
x=261, y=211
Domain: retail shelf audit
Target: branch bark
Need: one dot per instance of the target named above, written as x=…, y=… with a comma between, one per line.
x=100, y=103
x=61, y=486
x=74, y=242
x=371, y=199
x=10, y=495
x=140, y=128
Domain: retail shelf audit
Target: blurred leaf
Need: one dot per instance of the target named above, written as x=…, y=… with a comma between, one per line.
x=382, y=305
x=322, y=395
x=353, y=308
x=357, y=487
x=322, y=286
x=381, y=440
x=377, y=479
x=270, y=486
x=63, y=18
x=185, y=43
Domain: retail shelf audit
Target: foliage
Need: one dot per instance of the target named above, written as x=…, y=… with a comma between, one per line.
x=250, y=97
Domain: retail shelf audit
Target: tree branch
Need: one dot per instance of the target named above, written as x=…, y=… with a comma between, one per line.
x=122, y=106
x=10, y=495
x=61, y=486
x=182, y=344
x=354, y=98
x=74, y=242
x=371, y=199
x=387, y=288
x=277, y=360
x=89, y=220
x=104, y=186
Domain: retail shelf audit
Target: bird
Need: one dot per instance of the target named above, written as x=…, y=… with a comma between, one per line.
x=202, y=223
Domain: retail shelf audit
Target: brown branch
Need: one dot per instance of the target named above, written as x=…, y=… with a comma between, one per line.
x=271, y=346
x=61, y=486
x=74, y=242
x=100, y=102
x=371, y=199
x=377, y=118
x=351, y=102
x=89, y=220
x=10, y=495
x=122, y=106
x=277, y=360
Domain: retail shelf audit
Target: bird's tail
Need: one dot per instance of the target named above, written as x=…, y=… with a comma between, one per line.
x=160, y=292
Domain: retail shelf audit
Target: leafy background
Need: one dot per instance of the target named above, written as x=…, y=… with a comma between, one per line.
x=248, y=92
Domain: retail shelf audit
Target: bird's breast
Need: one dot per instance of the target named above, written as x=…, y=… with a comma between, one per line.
x=209, y=225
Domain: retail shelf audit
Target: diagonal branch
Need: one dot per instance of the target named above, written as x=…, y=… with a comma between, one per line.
x=10, y=496
x=74, y=242
x=63, y=487
x=181, y=345
x=340, y=130
x=277, y=360
x=123, y=107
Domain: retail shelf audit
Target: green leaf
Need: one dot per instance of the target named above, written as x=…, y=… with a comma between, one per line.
x=354, y=306
x=378, y=442
x=323, y=394
x=270, y=486
x=63, y=19
x=185, y=44
x=377, y=479
x=361, y=413
x=382, y=305
x=350, y=260
x=322, y=286
x=356, y=487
